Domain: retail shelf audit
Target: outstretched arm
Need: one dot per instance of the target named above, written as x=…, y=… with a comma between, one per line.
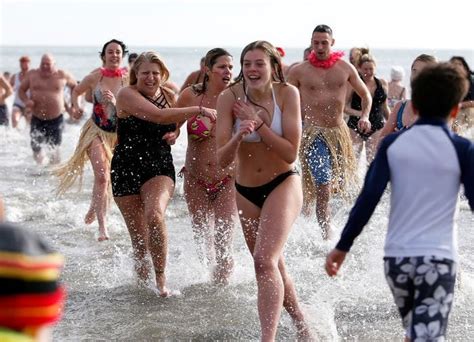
x=131, y=102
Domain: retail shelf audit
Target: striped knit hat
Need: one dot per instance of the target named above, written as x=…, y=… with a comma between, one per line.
x=30, y=293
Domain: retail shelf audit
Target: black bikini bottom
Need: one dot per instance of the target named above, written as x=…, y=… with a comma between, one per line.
x=258, y=194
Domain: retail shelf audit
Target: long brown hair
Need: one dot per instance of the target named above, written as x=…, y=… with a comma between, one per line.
x=275, y=62
x=209, y=61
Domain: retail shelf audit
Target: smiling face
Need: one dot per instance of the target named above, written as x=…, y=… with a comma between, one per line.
x=256, y=68
x=221, y=72
x=148, y=78
x=322, y=43
x=367, y=69
x=113, y=56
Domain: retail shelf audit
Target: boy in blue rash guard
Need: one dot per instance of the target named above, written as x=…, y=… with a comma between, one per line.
x=421, y=243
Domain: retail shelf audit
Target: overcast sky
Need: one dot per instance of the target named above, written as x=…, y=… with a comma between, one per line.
x=432, y=24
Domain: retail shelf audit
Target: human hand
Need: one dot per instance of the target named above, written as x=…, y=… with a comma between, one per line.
x=247, y=127
x=108, y=96
x=364, y=125
x=210, y=113
x=334, y=260
x=29, y=105
x=244, y=111
x=77, y=112
x=170, y=137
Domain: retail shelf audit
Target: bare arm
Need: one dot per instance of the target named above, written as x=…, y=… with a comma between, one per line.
x=293, y=76
x=185, y=99
x=361, y=89
x=285, y=146
x=227, y=144
x=391, y=124
x=24, y=86
x=6, y=87
x=347, y=108
x=131, y=102
x=385, y=107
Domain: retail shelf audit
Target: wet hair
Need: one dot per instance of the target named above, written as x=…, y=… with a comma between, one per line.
x=104, y=48
x=151, y=57
x=209, y=61
x=366, y=58
x=424, y=58
x=358, y=52
x=437, y=90
x=275, y=63
x=323, y=29
x=132, y=57
x=462, y=60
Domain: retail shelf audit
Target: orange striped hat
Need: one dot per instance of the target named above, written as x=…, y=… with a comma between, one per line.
x=30, y=292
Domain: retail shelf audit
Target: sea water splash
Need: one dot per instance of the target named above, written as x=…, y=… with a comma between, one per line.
x=104, y=302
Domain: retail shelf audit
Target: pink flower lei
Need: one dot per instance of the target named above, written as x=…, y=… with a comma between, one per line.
x=113, y=73
x=327, y=63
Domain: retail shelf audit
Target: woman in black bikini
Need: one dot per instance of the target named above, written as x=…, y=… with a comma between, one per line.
x=143, y=175
x=378, y=112
x=208, y=188
x=259, y=124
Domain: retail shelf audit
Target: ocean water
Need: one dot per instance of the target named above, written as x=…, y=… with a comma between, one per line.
x=104, y=303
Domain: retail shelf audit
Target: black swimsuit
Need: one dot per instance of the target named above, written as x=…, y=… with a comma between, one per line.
x=258, y=194
x=141, y=153
x=376, y=116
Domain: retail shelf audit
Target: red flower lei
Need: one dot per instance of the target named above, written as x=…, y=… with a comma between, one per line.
x=327, y=63
x=113, y=73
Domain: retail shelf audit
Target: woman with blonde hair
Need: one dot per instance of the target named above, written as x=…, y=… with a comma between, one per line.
x=142, y=171
x=208, y=188
x=98, y=135
x=259, y=125
x=379, y=110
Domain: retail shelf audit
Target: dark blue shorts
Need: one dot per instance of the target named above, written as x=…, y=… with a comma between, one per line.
x=423, y=290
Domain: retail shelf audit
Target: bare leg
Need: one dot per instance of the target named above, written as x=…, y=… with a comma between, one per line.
x=275, y=288
x=371, y=146
x=16, y=115
x=155, y=194
x=200, y=210
x=224, y=211
x=99, y=203
x=357, y=143
x=323, y=212
x=131, y=208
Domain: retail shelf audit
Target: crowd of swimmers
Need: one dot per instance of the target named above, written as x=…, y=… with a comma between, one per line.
x=248, y=138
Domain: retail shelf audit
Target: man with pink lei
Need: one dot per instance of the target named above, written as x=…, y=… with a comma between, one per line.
x=46, y=104
x=326, y=153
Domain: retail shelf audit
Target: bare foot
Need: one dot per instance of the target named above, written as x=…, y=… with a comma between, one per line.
x=103, y=237
x=303, y=333
x=90, y=216
x=103, y=234
x=222, y=273
x=161, y=284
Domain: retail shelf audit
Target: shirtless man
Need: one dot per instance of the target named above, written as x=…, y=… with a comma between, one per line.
x=46, y=104
x=5, y=92
x=196, y=76
x=326, y=153
x=18, y=108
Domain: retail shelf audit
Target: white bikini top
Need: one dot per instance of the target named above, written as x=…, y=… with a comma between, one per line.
x=276, y=125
